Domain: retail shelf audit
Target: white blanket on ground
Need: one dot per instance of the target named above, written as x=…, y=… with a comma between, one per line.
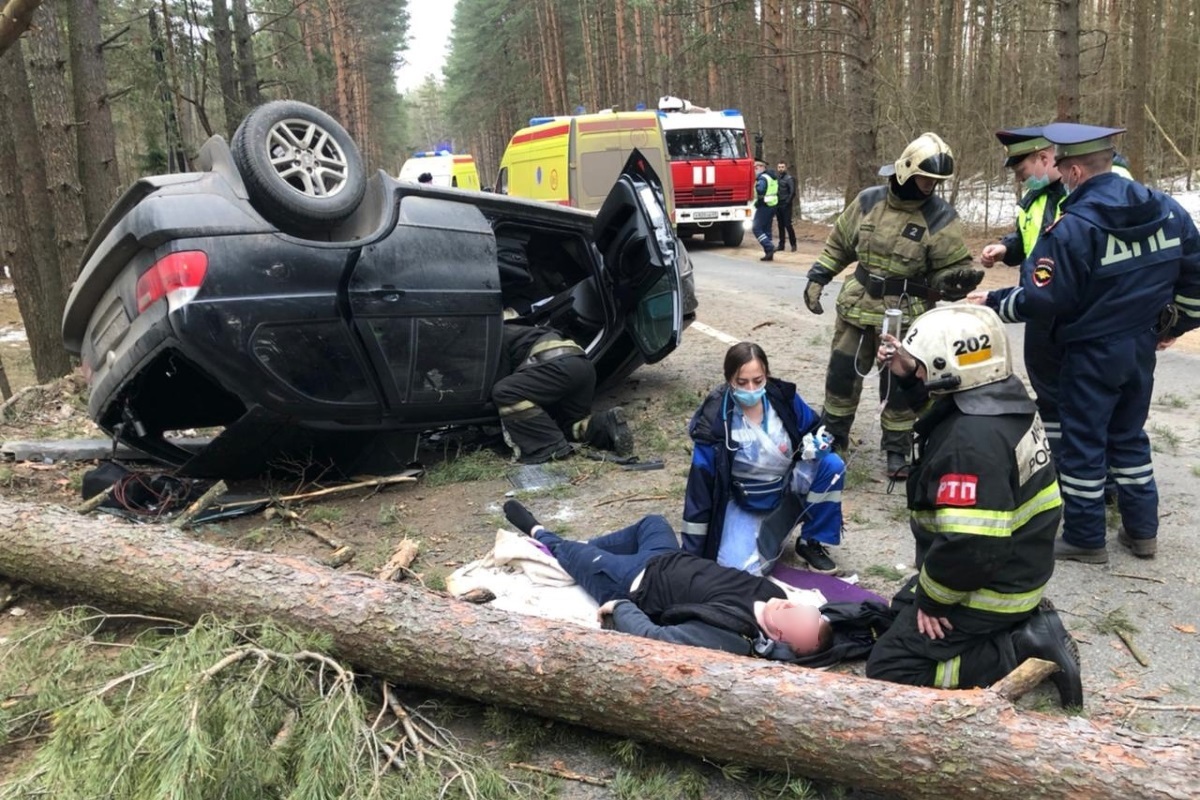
x=525, y=580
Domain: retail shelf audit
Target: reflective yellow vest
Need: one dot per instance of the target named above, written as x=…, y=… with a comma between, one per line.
x=771, y=195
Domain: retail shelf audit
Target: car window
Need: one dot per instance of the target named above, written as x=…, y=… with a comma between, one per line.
x=706, y=143
x=316, y=360
x=502, y=181
x=653, y=322
x=436, y=359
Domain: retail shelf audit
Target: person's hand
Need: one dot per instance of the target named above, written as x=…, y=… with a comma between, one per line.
x=957, y=283
x=812, y=297
x=606, y=610
x=977, y=297
x=933, y=627
x=892, y=356
x=991, y=254
x=1165, y=342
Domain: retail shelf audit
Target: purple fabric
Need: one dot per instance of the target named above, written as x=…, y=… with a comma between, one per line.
x=834, y=588
x=540, y=546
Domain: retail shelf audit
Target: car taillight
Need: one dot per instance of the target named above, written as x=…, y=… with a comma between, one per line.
x=176, y=276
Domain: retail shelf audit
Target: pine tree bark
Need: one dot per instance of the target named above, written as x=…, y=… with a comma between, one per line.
x=1067, y=38
x=95, y=141
x=226, y=69
x=26, y=228
x=247, y=67
x=908, y=742
x=860, y=88
x=47, y=74
x=15, y=17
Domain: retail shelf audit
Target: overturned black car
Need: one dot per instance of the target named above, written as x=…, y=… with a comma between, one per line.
x=302, y=308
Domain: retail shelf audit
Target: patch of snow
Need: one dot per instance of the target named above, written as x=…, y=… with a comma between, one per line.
x=8, y=335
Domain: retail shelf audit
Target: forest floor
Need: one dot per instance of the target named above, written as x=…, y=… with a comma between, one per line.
x=454, y=510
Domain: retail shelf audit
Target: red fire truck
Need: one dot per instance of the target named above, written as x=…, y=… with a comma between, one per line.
x=711, y=168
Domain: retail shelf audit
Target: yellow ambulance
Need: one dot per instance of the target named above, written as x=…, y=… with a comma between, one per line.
x=575, y=160
x=445, y=169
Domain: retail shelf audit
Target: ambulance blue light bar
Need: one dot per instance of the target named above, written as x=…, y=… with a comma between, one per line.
x=731, y=112
x=540, y=120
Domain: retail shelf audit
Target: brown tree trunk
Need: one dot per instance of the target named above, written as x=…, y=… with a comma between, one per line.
x=47, y=74
x=860, y=88
x=623, y=95
x=587, y=94
x=1137, y=90
x=173, y=140
x=26, y=229
x=639, y=62
x=226, y=69
x=247, y=68
x=907, y=742
x=1067, y=37
x=95, y=141
x=15, y=17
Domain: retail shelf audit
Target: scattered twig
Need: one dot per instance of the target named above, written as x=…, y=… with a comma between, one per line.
x=632, y=498
x=207, y=499
x=1137, y=577
x=1146, y=707
x=1133, y=648
x=1025, y=677
x=95, y=501
x=561, y=773
x=398, y=565
x=410, y=475
x=401, y=713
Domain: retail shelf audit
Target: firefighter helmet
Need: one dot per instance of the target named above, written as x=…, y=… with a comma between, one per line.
x=926, y=155
x=960, y=346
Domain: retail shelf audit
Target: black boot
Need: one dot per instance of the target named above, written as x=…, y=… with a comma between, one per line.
x=520, y=516
x=1043, y=636
x=608, y=430
x=897, y=466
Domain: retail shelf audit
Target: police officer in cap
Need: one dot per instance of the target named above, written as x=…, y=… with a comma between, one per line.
x=1119, y=275
x=1030, y=156
x=766, y=199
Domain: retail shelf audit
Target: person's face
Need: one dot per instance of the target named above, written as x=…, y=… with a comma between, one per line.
x=1072, y=173
x=796, y=625
x=926, y=184
x=759, y=169
x=1035, y=165
x=782, y=168
x=750, y=377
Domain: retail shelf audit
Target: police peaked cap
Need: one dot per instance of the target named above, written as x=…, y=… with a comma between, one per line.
x=1020, y=142
x=1071, y=139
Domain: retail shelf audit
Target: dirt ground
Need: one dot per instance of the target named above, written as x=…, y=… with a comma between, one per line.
x=454, y=511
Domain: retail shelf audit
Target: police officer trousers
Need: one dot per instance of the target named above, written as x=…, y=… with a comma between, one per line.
x=1043, y=361
x=851, y=357
x=977, y=652
x=1104, y=398
x=540, y=403
x=761, y=227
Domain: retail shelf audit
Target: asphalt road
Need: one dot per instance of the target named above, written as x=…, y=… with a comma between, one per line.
x=1155, y=602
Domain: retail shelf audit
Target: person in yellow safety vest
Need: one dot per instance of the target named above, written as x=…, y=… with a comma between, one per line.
x=766, y=193
x=1030, y=156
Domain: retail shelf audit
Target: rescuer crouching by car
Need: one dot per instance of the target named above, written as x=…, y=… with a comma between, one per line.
x=544, y=393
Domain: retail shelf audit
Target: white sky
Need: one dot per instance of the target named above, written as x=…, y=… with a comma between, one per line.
x=429, y=26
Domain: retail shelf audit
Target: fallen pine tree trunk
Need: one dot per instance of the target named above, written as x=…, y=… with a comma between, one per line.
x=907, y=742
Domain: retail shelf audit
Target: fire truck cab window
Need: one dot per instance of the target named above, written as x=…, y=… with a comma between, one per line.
x=706, y=143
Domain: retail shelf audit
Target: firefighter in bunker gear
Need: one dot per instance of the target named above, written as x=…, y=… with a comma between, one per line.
x=544, y=396
x=909, y=246
x=984, y=505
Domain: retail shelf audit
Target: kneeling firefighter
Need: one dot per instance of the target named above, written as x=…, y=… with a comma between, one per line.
x=544, y=391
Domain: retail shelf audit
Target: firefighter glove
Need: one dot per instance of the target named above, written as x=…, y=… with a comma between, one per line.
x=958, y=283
x=812, y=296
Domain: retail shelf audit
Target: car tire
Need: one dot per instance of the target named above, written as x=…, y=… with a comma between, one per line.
x=733, y=234
x=320, y=186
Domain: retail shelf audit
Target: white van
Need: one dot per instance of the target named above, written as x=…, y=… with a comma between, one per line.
x=444, y=168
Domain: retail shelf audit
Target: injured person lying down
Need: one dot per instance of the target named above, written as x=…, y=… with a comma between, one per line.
x=646, y=585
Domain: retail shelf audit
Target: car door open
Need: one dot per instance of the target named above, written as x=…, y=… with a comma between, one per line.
x=641, y=256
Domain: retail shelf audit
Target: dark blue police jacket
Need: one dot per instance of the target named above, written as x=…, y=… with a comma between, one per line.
x=1109, y=266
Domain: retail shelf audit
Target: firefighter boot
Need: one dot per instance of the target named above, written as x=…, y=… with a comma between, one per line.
x=897, y=466
x=1043, y=636
x=608, y=430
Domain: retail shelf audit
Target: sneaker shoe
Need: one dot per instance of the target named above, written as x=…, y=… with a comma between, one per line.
x=793, y=248
x=1044, y=636
x=1065, y=551
x=817, y=557
x=1142, y=548
x=897, y=466
x=520, y=516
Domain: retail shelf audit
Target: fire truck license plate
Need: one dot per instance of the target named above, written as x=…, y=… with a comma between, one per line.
x=704, y=215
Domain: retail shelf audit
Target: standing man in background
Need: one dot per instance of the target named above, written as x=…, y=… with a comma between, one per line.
x=766, y=198
x=783, y=213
